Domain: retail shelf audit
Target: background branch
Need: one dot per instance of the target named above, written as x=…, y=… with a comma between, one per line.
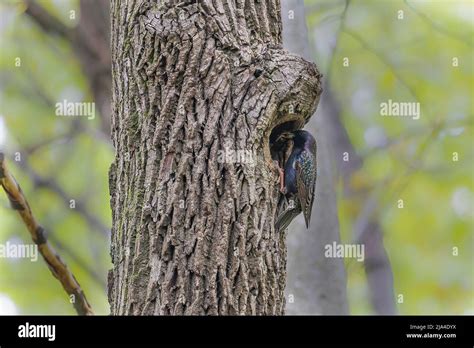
x=377, y=265
x=90, y=42
x=80, y=208
x=465, y=40
x=46, y=21
x=317, y=283
x=57, y=266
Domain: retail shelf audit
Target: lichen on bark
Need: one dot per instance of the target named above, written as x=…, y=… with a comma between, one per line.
x=193, y=232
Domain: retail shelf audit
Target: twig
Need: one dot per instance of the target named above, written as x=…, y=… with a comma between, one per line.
x=80, y=262
x=89, y=40
x=370, y=210
x=336, y=45
x=384, y=61
x=57, y=266
x=46, y=21
x=439, y=28
x=80, y=207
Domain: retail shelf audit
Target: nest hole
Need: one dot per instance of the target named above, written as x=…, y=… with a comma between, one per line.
x=277, y=131
x=283, y=127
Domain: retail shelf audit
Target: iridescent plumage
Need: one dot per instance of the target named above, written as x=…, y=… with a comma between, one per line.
x=299, y=160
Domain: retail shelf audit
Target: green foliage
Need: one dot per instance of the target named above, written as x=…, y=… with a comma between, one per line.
x=406, y=60
x=65, y=151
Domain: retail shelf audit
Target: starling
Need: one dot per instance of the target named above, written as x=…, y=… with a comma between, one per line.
x=299, y=161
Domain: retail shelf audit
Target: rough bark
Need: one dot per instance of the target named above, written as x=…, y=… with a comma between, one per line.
x=193, y=233
x=316, y=284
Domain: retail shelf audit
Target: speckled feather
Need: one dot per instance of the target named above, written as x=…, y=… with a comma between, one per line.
x=300, y=178
x=306, y=181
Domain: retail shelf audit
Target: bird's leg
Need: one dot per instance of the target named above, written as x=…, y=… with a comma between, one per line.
x=282, y=177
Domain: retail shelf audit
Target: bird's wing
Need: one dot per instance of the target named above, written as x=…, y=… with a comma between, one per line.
x=305, y=184
x=286, y=217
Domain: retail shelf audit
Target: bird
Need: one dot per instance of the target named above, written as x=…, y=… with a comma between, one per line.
x=297, y=153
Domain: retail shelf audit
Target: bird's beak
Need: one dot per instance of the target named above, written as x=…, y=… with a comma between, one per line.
x=285, y=136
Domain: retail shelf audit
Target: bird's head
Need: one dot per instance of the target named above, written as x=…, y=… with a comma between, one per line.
x=303, y=138
x=284, y=137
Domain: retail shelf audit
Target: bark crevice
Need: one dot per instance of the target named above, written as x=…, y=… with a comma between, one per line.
x=193, y=228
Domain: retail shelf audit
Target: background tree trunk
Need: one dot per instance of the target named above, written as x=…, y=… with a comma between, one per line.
x=367, y=229
x=193, y=229
x=90, y=41
x=315, y=284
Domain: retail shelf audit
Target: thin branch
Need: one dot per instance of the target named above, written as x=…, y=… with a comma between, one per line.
x=80, y=207
x=321, y=6
x=411, y=134
x=59, y=139
x=370, y=210
x=383, y=60
x=46, y=21
x=377, y=265
x=56, y=265
x=438, y=28
x=90, y=42
x=81, y=263
x=334, y=49
x=39, y=181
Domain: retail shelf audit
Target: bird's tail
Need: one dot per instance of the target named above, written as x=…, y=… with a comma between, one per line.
x=286, y=217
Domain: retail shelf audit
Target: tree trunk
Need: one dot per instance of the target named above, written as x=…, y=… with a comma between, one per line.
x=198, y=89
